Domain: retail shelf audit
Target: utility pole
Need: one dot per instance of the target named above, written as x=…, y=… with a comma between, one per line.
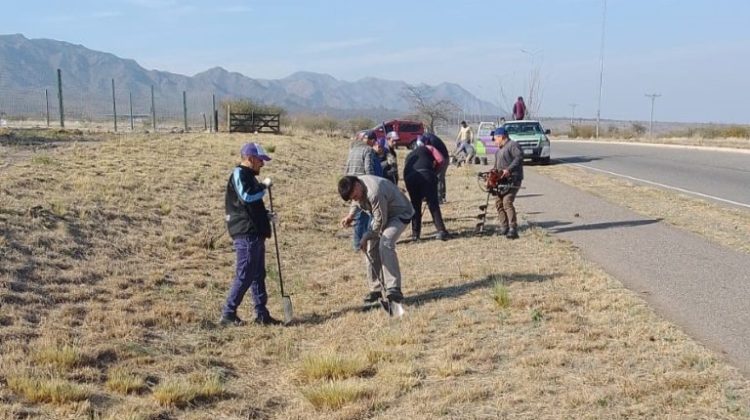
x=573, y=112
x=601, y=71
x=653, y=97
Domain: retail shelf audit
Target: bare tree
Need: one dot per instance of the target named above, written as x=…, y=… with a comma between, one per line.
x=430, y=110
x=534, y=98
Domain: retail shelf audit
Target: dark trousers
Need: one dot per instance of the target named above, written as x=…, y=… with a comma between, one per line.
x=423, y=185
x=251, y=274
x=506, y=211
x=441, y=179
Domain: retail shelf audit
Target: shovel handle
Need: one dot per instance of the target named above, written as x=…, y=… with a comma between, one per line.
x=276, y=244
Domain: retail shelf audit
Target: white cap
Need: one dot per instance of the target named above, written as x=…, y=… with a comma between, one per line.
x=392, y=135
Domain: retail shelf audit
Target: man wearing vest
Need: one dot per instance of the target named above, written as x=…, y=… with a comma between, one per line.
x=249, y=225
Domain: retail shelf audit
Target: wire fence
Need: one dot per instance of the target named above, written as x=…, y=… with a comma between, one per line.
x=110, y=107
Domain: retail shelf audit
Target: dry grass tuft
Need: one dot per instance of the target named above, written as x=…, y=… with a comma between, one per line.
x=500, y=295
x=335, y=395
x=125, y=382
x=47, y=390
x=180, y=391
x=333, y=366
x=63, y=356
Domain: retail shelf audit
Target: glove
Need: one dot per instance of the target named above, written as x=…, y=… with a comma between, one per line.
x=273, y=217
x=267, y=182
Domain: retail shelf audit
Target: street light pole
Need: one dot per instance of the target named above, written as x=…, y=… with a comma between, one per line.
x=601, y=70
x=653, y=97
x=572, y=113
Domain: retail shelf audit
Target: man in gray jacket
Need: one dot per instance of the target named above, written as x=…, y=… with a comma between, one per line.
x=391, y=212
x=509, y=163
x=361, y=161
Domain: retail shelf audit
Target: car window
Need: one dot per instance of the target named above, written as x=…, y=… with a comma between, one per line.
x=524, y=128
x=410, y=128
x=388, y=128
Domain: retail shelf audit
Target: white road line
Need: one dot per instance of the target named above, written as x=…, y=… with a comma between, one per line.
x=645, y=181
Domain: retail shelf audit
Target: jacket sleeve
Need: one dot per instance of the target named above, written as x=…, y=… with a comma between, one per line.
x=368, y=157
x=247, y=190
x=517, y=154
x=379, y=215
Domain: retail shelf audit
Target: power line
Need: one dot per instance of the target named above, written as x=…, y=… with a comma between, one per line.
x=653, y=97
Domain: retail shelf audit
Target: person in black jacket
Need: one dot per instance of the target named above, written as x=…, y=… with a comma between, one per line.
x=249, y=225
x=420, y=177
x=435, y=141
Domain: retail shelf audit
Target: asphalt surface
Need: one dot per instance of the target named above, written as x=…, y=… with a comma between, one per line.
x=700, y=286
x=722, y=176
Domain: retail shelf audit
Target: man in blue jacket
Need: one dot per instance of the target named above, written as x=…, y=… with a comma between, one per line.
x=249, y=225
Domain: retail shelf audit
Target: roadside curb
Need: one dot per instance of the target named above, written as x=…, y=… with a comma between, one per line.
x=672, y=146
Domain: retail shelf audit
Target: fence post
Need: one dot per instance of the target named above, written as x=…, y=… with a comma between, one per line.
x=46, y=100
x=130, y=101
x=214, y=115
x=229, y=118
x=60, y=96
x=114, y=105
x=184, y=109
x=205, y=123
x=153, y=109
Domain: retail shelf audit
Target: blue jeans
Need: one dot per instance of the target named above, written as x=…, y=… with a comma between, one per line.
x=361, y=225
x=251, y=274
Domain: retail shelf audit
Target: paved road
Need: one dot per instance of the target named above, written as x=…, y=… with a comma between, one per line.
x=700, y=286
x=723, y=176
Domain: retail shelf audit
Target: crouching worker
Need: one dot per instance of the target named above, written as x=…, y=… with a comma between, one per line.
x=249, y=225
x=391, y=212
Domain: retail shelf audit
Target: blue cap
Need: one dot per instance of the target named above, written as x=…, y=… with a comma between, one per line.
x=255, y=150
x=499, y=131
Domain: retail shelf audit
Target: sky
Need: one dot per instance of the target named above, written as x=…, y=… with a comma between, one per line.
x=695, y=53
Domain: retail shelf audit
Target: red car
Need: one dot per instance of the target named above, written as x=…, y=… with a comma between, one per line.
x=408, y=131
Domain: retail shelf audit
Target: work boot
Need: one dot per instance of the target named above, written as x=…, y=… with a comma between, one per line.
x=371, y=297
x=230, y=319
x=394, y=295
x=442, y=235
x=512, y=234
x=267, y=320
x=503, y=231
x=414, y=237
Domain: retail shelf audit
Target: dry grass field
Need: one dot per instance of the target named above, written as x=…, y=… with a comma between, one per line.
x=114, y=264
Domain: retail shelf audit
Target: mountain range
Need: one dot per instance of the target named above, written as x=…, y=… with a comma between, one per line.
x=28, y=66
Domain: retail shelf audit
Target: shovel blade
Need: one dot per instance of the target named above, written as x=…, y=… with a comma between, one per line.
x=397, y=310
x=479, y=228
x=286, y=302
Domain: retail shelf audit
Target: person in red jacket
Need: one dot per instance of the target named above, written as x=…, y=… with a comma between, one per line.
x=519, y=109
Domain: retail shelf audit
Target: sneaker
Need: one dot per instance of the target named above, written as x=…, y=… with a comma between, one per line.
x=503, y=231
x=512, y=234
x=372, y=297
x=442, y=235
x=414, y=237
x=230, y=319
x=394, y=295
x=267, y=320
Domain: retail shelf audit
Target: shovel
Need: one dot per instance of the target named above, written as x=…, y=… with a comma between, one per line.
x=394, y=309
x=286, y=301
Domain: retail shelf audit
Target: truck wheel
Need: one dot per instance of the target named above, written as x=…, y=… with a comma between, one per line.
x=544, y=161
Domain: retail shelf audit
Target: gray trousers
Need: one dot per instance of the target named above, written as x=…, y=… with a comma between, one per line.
x=382, y=252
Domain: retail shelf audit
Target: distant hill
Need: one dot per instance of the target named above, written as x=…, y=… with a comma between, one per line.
x=28, y=66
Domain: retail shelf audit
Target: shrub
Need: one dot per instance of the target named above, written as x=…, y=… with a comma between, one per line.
x=582, y=131
x=638, y=129
x=58, y=355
